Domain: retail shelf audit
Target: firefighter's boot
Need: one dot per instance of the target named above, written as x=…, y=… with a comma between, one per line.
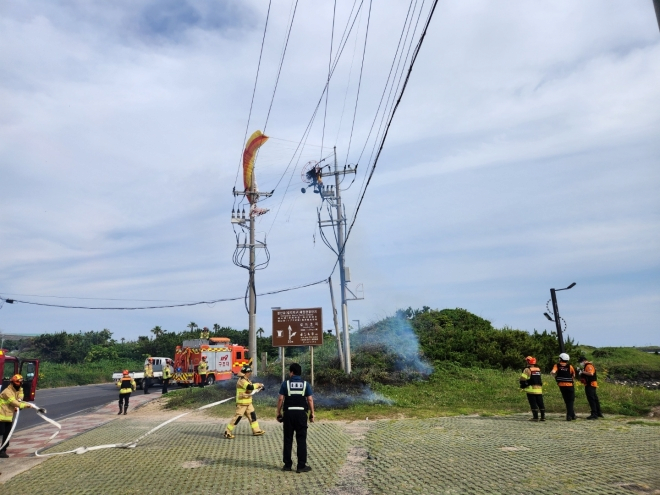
x=256, y=430
x=228, y=435
x=535, y=413
x=119, y=411
x=542, y=414
x=125, y=410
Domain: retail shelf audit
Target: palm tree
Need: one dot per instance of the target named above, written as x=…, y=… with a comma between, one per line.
x=192, y=325
x=216, y=328
x=260, y=332
x=122, y=340
x=157, y=331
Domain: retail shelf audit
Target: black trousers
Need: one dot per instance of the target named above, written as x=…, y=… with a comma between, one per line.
x=295, y=421
x=166, y=382
x=146, y=383
x=202, y=380
x=568, y=394
x=124, y=398
x=536, y=402
x=592, y=398
x=5, y=428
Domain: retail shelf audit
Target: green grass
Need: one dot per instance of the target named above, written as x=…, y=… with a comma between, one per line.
x=620, y=356
x=450, y=391
x=623, y=362
x=53, y=375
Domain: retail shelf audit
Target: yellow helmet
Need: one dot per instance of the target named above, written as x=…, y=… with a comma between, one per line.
x=17, y=379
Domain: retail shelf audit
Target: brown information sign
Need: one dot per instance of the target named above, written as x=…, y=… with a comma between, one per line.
x=294, y=327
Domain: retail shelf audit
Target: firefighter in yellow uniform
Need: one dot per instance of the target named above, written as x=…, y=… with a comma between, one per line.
x=202, y=371
x=167, y=374
x=126, y=386
x=148, y=375
x=531, y=383
x=204, y=334
x=244, y=407
x=11, y=399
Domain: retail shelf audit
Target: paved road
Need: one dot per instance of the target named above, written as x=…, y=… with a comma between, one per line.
x=68, y=401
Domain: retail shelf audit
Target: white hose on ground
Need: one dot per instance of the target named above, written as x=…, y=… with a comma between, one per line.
x=128, y=445
x=17, y=413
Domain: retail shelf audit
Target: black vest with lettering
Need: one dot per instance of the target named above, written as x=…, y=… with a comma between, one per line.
x=126, y=383
x=535, y=376
x=564, y=373
x=295, y=395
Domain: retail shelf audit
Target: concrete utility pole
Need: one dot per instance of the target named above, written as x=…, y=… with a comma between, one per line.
x=334, y=318
x=253, y=196
x=333, y=196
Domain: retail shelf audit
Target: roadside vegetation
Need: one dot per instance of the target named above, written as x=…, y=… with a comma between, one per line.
x=65, y=374
x=425, y=363
x=417, y=363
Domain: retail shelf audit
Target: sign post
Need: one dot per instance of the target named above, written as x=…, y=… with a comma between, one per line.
x=298, y=327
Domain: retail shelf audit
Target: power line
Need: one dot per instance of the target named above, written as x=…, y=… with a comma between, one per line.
x=387, y=128
x=279, y=70
x=396, y=106
x=254, y=90
x=198, y=303
x=327, y=93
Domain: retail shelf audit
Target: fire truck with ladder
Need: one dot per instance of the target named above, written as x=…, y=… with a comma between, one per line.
x=224, y=360
x=28, y=368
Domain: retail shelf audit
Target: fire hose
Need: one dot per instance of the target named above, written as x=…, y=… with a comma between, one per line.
x=127, y=445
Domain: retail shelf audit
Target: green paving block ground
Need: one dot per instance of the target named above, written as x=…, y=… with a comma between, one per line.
x=510, y=455
x=185, y=458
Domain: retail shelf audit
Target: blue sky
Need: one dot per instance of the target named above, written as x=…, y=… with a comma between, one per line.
x=524, y=156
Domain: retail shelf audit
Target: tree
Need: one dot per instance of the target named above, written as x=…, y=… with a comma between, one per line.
x=192, y=325
x=122, y=340
x=216, y=328
x=260, y=332
x=157, y=331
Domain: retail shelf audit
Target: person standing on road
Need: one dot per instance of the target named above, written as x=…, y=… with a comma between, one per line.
x=588, y=379
x=531, y=383
x=148, y=375
x=244, y=407
x=202, y=371
x=11, y=399
x=204, y=334
x=126, y=386
x=564, y=375
x=167, y=374
x=296, y=398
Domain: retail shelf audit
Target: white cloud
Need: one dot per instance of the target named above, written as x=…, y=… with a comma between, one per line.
x=524, y=155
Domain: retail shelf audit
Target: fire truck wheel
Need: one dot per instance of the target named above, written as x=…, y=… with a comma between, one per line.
x=210, y=379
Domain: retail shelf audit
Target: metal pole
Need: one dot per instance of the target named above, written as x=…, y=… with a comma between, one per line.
x=253, y=296
x=311, y=360
x=282, y=349
x=555, y=310
x=334, y=317
x=342, y=273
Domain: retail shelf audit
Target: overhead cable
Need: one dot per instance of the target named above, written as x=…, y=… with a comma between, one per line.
x=198, y=303
x=254, y=90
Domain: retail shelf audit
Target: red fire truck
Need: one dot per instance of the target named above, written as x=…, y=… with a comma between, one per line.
x=224, y=359
x=29, y=368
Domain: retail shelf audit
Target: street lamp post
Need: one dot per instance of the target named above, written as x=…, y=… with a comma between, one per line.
x=555, y=311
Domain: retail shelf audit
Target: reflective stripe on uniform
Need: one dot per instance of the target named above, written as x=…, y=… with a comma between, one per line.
x=296, y=389
x=296, y=409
